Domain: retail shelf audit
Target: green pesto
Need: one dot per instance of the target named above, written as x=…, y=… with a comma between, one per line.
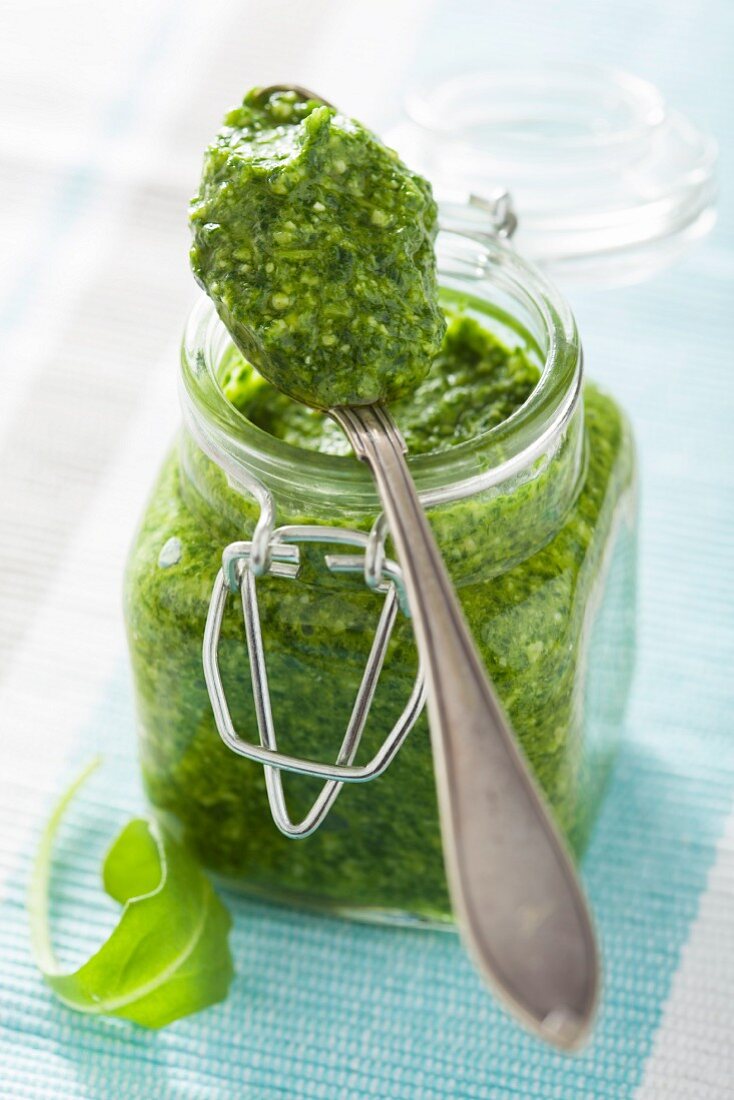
x=315, y=243
x=550, y=614
x=474, y=384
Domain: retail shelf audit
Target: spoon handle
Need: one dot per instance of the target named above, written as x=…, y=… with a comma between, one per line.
x=514, y=890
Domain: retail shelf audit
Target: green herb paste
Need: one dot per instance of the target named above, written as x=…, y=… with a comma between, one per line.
x=545, y=577
x=315, y=243
x=474, y=384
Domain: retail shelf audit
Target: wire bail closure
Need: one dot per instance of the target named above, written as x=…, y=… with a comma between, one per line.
x=501, y=211
x=275, y=552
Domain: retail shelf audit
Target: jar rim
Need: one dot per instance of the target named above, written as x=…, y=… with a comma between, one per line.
x=485, y=461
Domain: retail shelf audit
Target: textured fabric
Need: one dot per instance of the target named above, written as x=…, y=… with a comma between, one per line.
x=104, y=109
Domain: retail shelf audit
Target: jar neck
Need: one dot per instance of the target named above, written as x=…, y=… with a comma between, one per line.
x=231, y=469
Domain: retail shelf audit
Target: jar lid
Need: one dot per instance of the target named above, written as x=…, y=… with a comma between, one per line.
x=607, y=182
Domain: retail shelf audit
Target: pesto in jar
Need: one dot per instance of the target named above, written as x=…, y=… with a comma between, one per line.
x=474, y=384
x=544, y=572
x=315, y=243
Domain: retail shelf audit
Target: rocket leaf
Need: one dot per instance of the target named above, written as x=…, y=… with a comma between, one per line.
x=168, y=955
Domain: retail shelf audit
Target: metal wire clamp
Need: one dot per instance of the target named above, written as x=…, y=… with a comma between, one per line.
x=281, y=558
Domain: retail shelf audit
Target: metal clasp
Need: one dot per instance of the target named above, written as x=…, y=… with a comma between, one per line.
x=278, y=555
x=485, y=218
x=501, y=212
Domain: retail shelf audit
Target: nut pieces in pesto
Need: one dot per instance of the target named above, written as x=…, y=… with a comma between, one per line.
x=315, y=243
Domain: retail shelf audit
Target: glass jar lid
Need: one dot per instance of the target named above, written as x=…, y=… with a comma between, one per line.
x=608, y=183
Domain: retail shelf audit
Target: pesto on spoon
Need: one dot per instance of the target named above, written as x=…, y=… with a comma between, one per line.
x=315, y=243
x=340, y=311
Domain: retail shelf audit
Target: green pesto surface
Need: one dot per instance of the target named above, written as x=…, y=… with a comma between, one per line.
x=315, y=243
x=474, y=384
x=547, y=591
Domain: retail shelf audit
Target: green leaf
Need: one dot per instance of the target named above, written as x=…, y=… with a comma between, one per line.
x=168, y=956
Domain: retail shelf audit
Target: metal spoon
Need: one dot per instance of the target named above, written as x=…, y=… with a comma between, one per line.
x=514, y=890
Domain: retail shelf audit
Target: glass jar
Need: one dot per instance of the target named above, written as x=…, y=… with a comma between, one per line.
x=536, y=521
